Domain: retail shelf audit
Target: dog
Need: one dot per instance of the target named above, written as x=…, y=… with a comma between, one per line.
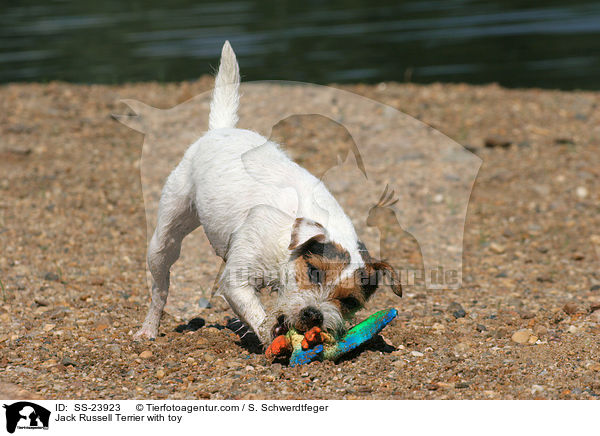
x=272, y=222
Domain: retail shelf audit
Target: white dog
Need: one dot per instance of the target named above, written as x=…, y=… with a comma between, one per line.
x=273, y=223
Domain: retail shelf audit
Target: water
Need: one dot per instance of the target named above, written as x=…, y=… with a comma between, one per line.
x=551, y=44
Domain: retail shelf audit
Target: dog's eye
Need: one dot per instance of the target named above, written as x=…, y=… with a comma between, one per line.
x=314, y=274
x=350, y=303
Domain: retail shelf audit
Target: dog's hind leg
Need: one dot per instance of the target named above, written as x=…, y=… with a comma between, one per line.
x=177, y=217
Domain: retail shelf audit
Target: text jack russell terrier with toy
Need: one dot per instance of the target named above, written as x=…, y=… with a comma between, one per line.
x=271, y=228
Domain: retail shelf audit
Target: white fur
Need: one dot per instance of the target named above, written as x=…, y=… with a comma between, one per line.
x=225, y=99
x=246, y=193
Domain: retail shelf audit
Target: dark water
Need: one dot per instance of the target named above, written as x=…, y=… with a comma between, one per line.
x=553, y=44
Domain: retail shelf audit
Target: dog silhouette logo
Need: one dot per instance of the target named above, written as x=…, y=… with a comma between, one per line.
x=26, y=415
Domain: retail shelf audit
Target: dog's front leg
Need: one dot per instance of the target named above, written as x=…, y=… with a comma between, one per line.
x=253, y=260
x=248, y=308
x=237, y=286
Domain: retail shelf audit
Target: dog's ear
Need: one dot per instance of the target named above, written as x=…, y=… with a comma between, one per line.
x=386, y=269
x=305, y=230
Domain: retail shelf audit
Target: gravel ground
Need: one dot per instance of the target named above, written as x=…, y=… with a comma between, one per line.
x=524, y=324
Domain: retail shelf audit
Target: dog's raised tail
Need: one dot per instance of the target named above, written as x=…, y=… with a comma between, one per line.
x=225, y=98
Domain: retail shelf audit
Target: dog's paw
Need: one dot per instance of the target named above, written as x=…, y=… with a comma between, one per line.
x=145, y=333
x=264, y=334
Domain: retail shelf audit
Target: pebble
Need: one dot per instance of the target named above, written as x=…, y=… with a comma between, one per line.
x=522, y=336
x=536, y=388
x=570, y=307
x=160, y=374
x=515, y=302
x=438, y=327
x=459, y=313
x=147, y=354
x=102, y=324
x=481, y=328
x=540, y=330
x=572, y=329
x=388, y=342
x=204, y=303
x=97, y=281
x=461, y=348
x=457, y=310
x=276, y=369
x=114, y=348
x=595, y=316
x=67, y=361
x=497, y=142
x=577, y=256
x=48, y=327
x=497, y=248
x=399, y=363
x=508, y=233
x=51, y=277
x=581, y=192
x=594, y=366
x=416, y=354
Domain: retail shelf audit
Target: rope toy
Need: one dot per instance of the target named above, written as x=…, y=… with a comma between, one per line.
x=316, y=344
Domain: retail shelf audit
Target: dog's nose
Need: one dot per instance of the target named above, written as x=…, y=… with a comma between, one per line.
x=311, y=317
x=280, y=328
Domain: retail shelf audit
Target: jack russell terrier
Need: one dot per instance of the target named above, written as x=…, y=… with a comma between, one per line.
x=272, y=222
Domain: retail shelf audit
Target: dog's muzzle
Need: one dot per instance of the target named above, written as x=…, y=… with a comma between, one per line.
x=309, y=317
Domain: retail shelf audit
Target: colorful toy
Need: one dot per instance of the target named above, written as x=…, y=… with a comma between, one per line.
x=319, y=345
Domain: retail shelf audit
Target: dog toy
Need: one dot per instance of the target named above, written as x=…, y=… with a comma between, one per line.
x=319, y=345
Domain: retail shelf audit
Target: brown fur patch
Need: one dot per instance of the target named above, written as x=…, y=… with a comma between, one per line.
x=367, y=277
x=348, y=296
x=320, y=262
x=352, y=293
x=371, y=274
x=386, y=268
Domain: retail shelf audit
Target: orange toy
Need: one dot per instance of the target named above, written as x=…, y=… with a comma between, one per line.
x=279, y=347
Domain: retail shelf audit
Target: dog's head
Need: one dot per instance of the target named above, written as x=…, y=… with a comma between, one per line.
x=327, y=282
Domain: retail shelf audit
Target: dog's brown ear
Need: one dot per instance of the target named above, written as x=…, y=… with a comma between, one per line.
x=385, y=268
x=305, y=230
